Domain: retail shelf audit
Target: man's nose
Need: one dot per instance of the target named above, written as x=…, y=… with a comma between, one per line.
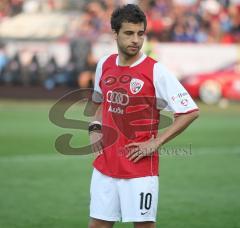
x=135, y=38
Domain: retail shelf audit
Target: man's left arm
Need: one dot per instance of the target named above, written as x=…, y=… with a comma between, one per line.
x=139, y=150
x=177, y=100
x=181, y=122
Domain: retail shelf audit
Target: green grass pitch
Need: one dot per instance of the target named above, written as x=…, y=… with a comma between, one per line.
x=41, y=188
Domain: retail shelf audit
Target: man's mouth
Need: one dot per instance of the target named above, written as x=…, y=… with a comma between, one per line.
x=133, y=47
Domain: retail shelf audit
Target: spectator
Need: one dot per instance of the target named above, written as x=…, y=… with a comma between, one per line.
x=86, y=77
x=33, y=71
x=70, y=72
x=13, y=72
x=51, y=71
x=3, y=62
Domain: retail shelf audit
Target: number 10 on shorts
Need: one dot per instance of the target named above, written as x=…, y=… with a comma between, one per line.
x=145, y=201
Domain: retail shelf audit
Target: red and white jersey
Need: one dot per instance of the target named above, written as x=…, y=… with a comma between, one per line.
x=132, y=97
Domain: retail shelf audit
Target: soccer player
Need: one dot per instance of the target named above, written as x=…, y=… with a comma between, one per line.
x=133, y=89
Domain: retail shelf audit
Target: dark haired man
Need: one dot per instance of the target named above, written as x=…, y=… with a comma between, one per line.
x=124, y=183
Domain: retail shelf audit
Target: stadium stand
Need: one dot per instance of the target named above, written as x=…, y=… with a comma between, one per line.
x=79, y=24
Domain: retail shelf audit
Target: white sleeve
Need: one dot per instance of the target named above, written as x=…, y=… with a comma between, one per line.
x=170, y=94
x=97, y=94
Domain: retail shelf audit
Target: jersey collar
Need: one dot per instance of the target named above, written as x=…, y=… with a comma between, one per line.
x=141, y=59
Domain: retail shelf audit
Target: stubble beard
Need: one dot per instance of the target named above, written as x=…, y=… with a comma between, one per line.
x=127, y=53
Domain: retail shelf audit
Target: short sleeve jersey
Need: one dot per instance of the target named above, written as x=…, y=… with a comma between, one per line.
x=132, y=98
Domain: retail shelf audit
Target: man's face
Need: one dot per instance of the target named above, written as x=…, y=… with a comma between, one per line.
x=130, y=38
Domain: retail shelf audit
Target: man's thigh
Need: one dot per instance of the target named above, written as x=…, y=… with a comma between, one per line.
x=104, y=203
x=139, y=199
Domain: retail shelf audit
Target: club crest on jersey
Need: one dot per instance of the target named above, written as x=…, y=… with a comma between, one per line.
x=136, y=85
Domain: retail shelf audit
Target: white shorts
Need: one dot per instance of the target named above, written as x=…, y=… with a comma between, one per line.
x=126, y=200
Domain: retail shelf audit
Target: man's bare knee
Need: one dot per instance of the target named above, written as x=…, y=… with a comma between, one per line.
x=144, y=225
x=98, y=223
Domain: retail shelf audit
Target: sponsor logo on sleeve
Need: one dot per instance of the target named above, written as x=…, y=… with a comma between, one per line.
x=181, y=98
x=184, y=102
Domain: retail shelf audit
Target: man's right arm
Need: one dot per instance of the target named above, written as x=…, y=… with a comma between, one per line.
x=96, y=136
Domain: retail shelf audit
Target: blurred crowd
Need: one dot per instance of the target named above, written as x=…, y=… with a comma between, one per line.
x=200, y=21
x=29, y=71
x=9, y=8
x=195, y=21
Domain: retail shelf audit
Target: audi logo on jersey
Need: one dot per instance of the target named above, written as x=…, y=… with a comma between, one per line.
x=115, y=97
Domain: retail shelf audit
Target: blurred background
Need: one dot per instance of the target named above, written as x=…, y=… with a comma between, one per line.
x=51, y=47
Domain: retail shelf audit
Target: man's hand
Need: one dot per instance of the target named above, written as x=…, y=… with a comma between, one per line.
x=96, y=142
x=140, y=150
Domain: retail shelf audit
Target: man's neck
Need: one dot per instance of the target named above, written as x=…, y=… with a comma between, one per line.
x=124, y=60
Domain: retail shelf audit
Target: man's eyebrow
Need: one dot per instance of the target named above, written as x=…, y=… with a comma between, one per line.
x=133, y=31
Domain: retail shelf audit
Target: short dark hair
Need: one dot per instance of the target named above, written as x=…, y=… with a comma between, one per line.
x=127, y=13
